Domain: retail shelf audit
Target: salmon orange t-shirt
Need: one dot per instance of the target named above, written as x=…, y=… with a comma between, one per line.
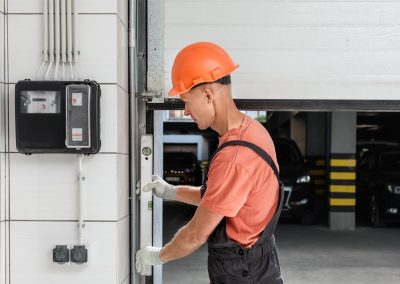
x=241, y=186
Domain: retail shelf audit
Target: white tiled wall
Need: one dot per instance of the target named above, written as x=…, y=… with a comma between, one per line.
x=99, y=50
x=43, y=201
x=103, y=54
x=45, y=187
x=123, y=121
x=122, y=55
x=31, y=253
x=123, y=249
x=3, y=252
x=3, y=204
x=85, y=7
x=2, y=118
x=2, y=154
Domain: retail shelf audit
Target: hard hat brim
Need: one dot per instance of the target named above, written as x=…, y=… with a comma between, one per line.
x=173, y=92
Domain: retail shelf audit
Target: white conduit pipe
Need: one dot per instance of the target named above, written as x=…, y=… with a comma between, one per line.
x=69, y=35
x=57, y=33
x=82, y=180
x=63, y=37
x=51, y=37
x=45, y=37
x=76, y=37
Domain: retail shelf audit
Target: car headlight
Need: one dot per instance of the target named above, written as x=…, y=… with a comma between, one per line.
x=393, y=188
x=304, y=179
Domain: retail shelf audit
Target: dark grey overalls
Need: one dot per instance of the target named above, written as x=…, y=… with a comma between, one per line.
x=228, y=261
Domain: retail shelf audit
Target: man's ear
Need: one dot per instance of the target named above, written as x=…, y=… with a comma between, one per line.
x=209, y=93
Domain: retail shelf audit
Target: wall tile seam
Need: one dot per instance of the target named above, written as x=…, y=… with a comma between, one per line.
x=67, y=221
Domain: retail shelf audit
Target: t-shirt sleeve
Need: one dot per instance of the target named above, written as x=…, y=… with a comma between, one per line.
x=228, y=187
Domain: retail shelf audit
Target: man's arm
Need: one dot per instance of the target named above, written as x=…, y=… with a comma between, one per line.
x=188, y=194
x=190, y=237
x=166, y=191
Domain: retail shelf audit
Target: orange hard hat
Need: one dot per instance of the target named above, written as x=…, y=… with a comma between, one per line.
x=198, y=63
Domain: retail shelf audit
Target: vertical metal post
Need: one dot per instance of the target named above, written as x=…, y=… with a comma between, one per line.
x=134, y=142
x=146, y=198
x=158, y=202
x=155, y=84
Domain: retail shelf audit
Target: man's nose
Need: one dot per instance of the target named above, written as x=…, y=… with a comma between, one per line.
x=186, y=111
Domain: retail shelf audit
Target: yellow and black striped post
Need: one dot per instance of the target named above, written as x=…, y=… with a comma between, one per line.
x=342, y=183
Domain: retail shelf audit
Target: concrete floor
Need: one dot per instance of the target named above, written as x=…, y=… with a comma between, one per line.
x=308, y=254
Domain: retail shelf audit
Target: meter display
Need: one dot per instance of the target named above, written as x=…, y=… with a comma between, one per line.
x=40, y=102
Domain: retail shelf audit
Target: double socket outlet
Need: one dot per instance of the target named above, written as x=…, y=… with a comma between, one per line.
x=76, y=254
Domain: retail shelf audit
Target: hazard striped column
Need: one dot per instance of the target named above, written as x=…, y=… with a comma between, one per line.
x=342, y=183
x=342, y=140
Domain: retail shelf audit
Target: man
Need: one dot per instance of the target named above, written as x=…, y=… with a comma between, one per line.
x=240, y=202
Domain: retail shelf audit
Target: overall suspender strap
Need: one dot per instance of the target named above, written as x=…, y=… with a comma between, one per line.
x=252, y=146
x=264, y=155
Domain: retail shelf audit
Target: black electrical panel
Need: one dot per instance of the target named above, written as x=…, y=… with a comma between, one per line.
x=57, y=116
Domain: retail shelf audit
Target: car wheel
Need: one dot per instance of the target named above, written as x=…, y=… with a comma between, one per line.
x=374, y=214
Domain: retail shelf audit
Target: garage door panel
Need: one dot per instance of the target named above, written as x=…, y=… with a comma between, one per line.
x=283, y=13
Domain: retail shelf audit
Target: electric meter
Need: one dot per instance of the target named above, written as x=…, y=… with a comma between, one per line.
x=57, y=116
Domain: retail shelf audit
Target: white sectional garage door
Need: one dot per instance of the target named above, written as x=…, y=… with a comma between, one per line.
x=333, y=50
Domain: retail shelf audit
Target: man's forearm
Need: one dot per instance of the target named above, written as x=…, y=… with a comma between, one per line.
x=184, y=243
x=189, y=195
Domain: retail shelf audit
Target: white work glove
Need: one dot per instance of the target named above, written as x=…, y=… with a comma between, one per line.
x=161, y=188
x=147, y=256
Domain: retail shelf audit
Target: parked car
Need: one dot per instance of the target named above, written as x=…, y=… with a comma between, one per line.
x=364, y=145
x=299, y=194
x=182, y=168
x=378, y=184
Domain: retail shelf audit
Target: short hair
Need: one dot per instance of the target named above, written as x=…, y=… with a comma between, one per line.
x=226, y=80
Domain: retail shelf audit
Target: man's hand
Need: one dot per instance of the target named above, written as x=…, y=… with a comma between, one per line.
x=147, y=256
x=161, y=188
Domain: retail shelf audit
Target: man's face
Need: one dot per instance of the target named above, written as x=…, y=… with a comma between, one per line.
x=199, y=106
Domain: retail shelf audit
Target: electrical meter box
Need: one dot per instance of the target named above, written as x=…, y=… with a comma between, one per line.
x=57, y=116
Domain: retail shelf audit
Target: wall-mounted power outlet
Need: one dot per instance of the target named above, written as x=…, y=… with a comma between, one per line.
x=79, y=254
x=61, y=254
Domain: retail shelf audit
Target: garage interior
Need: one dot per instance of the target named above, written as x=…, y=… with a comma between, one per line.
x=337, y=238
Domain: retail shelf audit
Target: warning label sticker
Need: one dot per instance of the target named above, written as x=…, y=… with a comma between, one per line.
x=77, y=134
x=77, y=99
